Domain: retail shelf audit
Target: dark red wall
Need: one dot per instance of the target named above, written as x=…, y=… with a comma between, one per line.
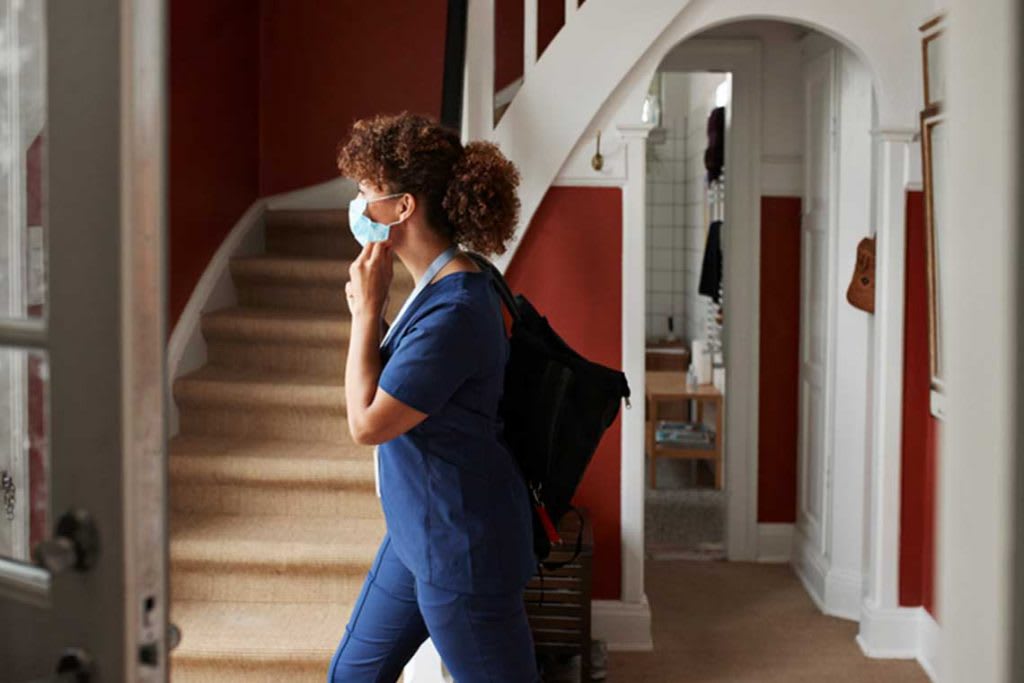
x=569, y=265
x=508, y=42
x=574, y=237
x=355, y=60
x=550, y=18
x=778, y=421
x=508, y=35
x=214, y=133
x=920, y=429
x=251, y=114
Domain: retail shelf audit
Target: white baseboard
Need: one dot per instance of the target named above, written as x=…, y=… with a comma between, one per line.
x=836, y=592
x=186, y=350
x=775, y=543
x=843, y=594
x=900, y=633
x=810, y=568
x=889, y=633
x=928, y=644
x=622, y=625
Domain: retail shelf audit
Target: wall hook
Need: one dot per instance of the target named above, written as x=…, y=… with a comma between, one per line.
x=598, y=161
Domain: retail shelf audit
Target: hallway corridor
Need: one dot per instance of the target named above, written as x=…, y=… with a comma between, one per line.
x=739, y=622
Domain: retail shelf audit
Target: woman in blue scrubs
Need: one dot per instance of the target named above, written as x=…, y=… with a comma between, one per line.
x=458, y=550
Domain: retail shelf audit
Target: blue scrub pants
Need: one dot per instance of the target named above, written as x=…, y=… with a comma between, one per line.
x=481, y=638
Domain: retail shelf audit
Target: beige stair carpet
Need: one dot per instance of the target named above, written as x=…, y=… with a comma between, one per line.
x=274, y=519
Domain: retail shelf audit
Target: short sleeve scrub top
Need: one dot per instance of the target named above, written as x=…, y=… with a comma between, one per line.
x=456, y=507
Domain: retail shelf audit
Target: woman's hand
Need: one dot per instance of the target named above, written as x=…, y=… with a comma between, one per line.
x=369, y=280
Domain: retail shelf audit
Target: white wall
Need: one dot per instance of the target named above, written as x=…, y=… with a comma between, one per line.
x=980, y=439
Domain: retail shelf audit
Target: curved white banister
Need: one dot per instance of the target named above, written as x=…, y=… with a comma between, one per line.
x=586, y=60
x=603, y=41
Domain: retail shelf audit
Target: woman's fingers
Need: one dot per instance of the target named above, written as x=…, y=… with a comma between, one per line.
x=370, y=275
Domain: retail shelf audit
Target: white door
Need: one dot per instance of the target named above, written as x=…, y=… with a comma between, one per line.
x=82, y=332
x=815, y=296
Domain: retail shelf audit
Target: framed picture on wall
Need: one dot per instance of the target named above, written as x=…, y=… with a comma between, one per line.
x=933, y=158
x=932, y=46
x=933, y=152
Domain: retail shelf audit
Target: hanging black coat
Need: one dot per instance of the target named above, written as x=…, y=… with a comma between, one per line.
x=711, y=268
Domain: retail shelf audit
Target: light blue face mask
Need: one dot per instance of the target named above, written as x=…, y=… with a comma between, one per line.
x=364, y=228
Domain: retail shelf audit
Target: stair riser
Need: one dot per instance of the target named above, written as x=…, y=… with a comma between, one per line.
x=228, y=583
x=326, y=361
x=238, y=499
x=325, y=299
x=320, y=242
x=245, y=421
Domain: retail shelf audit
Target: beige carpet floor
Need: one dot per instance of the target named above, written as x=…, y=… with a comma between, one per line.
x=744, y=622
x=274, y=520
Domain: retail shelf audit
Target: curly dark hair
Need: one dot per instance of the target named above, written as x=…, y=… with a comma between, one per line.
x=469, y=191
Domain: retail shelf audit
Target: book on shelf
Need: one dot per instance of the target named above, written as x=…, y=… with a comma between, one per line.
x=683, y=434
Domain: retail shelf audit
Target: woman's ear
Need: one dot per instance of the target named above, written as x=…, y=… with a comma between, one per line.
x=406, y=206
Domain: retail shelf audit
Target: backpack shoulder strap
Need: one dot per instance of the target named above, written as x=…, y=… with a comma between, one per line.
x=499, y=283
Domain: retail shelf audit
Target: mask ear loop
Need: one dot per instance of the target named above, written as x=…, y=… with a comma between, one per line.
x=389, y=196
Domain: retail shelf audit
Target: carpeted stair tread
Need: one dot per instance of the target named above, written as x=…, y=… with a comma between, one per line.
x=278, y=542
x=258, y=631
x=305, y=470
x=263, y=325
x=204, y=444
x=255, y=387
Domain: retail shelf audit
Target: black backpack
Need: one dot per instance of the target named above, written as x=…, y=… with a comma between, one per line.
x=556, y=406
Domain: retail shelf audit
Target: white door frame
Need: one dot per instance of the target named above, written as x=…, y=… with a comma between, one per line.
x=104, y=336
x=812, y=538
x=895, y=168
x=741, y=337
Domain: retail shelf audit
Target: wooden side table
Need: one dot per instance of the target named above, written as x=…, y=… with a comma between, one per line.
x=670, y=387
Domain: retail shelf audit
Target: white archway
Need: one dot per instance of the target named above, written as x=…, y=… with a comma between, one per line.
x=583, y=82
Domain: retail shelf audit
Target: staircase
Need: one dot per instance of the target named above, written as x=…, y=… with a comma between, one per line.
x=274, y=520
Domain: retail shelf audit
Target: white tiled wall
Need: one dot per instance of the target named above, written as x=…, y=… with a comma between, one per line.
x=665, y=240
x=675, y=206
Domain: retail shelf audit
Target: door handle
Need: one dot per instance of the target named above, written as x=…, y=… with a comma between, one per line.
x=74, y=666
x=75, y=544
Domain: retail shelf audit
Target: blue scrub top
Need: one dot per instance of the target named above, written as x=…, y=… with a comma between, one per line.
x=456, y=507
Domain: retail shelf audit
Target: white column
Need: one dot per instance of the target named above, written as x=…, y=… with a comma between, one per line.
x=881, y=620
x=634, y=306
x=478, y=94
